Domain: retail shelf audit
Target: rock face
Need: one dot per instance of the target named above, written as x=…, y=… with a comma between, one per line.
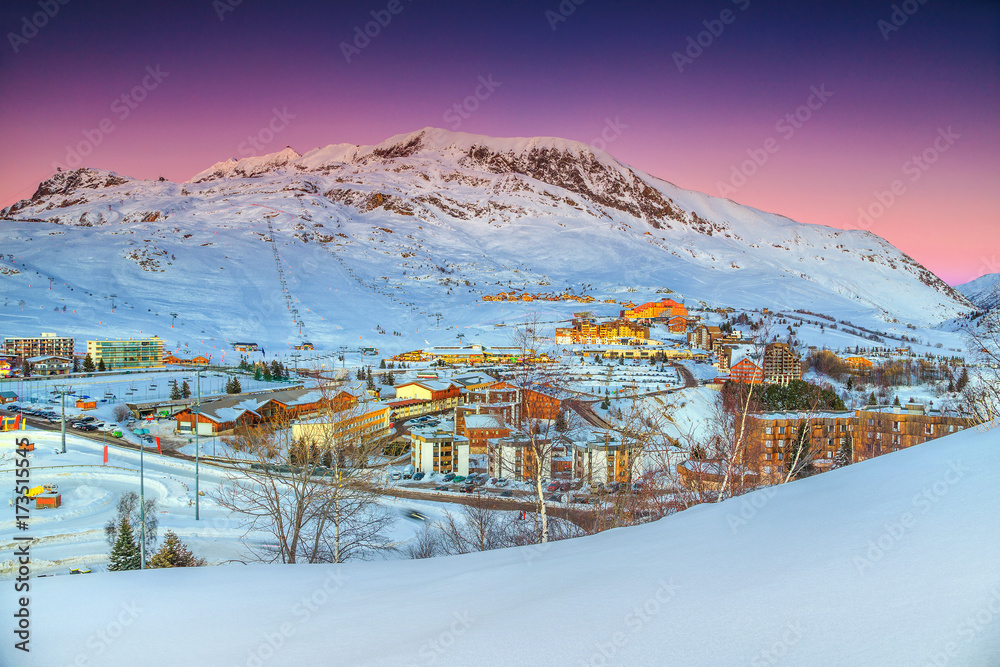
x=445, y=208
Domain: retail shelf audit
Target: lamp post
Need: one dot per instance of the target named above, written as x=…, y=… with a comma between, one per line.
x=63, y=390
x=197, y=424
x=142, y=506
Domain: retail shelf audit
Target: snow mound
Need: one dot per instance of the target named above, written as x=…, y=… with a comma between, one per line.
x=888, y=562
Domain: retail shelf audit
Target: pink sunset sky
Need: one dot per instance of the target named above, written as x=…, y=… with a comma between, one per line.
x=927, y=91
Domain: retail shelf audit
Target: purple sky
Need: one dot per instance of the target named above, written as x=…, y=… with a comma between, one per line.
x=927, y=89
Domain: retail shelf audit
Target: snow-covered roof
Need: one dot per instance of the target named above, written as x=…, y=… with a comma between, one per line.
x=483, y=421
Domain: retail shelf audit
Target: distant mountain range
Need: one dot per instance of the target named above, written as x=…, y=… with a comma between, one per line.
x=343, y=239
x=984, y=291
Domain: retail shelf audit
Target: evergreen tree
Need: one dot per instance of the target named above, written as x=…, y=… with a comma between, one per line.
x=872, y=400
x=895, y=402
x=382, y=364
x=951, y=386
x=369, y=382
x=88, y=364
x=175, y=393
x=125, y=554
x=25, y=369
x=256, y=373
x=76, y=364
x=234, y=386
x=850, y=383
x=267, y=373
x=963, y=379
x=561, y=426
x=844, y=455
x=275, y=370
x=174, y=553
x=185, y=390
x=101, y=366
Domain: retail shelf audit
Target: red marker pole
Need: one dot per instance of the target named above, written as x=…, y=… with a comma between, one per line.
x=105, y=455
x=158, y=451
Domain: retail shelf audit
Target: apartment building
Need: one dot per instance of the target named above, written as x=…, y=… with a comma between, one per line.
x=129, y=353
x=46, y=344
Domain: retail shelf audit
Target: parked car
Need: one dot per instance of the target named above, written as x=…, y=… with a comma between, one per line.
x=447, y=478
x=565, y=486
x=441, y=488
x=458, y=478
x=396, y=476
x=468, y=488
x=501, y=482
x=493, y=480
x=506, y=494
x=417, y=476
x=553, y=486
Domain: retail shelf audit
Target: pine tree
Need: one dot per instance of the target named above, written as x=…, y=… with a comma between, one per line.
x=174, y=553
x=275, y=370
x=963, y=379
x=175, y=393
x=236, y=386
x=125, y=554
x=25, y=369
x=895, y=402
x=561, y=426
x=101, y=366
x=872, y=400
x=844, y=455
x=256, y=373
x=88, y=364
x=382, y=364
x=185, y=390
x=76, y=364
x=267, y=373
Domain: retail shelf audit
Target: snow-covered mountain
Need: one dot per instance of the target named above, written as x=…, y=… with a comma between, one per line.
x=984, y=291
x=340, y=240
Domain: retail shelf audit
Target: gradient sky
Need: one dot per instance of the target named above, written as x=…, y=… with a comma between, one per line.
x=893, y=94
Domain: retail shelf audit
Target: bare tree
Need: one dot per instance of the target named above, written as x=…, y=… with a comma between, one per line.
x=539, y=385
x=321, y=506
x=981, y=394
x=121, y=413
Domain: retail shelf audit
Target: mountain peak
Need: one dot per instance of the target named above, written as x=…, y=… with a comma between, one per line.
x=249, y=166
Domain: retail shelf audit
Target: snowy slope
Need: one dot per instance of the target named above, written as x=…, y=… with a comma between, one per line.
x=984, y=291
x=423, y=222
x=888, y=562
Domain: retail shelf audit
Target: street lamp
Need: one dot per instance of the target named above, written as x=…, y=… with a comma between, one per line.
x=142, y=506
x=197, y=424
x=63, y=390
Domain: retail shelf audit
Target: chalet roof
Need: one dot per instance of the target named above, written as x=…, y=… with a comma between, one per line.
x=46, y=357
x=230, y=409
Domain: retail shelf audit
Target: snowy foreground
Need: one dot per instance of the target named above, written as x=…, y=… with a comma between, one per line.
x=895, y=561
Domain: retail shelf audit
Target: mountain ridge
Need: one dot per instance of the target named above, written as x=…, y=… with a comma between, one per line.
x=432, y=213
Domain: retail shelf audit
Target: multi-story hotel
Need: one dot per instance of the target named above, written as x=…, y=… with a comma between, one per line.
x=130, y=353
x=46, y=344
